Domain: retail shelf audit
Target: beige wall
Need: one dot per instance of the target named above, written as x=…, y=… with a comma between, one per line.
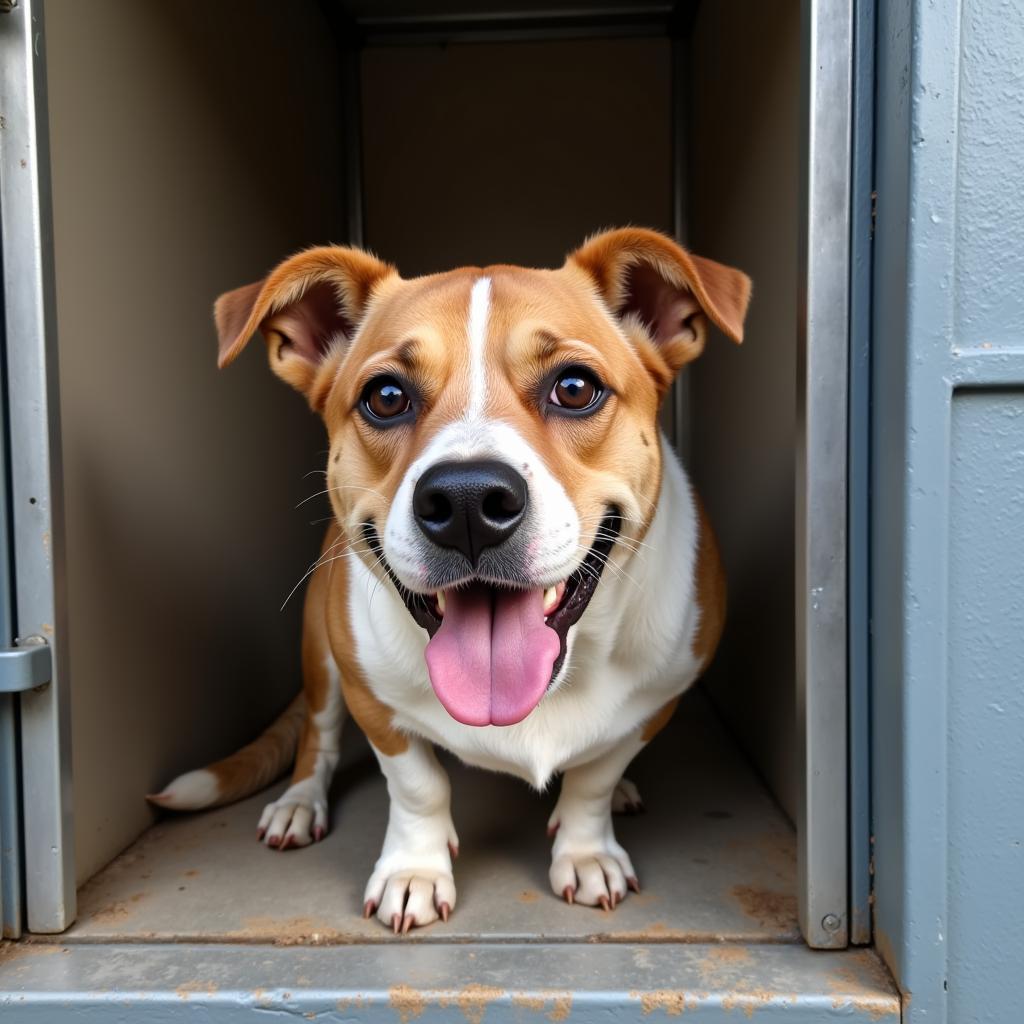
x=743, y=208
x=193, y=146
x=513, y=153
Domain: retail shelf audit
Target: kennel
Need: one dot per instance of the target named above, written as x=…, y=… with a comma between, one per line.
x=156, y=155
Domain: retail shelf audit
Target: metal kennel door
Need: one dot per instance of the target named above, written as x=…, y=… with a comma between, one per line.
x=34, y=507
x=822, y=471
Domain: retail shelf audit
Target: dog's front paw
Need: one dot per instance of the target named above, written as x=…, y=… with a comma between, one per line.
x=297, y=818
x=596, y=874
x=410, y=897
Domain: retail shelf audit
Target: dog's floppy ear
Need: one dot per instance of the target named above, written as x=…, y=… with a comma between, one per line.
x=663, y=295
x=307, y=308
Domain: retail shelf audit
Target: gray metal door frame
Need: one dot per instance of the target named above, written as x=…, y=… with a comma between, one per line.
x=36, y=496
x=822, y=471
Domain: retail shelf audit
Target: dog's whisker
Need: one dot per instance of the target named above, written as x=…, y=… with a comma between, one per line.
x=627, y=542
x=312, y=570
x=321, y=561
x=606, y=562
x=342, y=487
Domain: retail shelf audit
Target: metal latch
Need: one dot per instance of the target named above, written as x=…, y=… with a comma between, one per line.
x=25, y=666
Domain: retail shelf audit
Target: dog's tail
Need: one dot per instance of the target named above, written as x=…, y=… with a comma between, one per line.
x=250, y=769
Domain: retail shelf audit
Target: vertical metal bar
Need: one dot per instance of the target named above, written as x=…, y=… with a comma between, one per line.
x=821, y=471
x=11, y=909
x=355, y=206
x=36, y=492
x=680, y=393
x=862, y=206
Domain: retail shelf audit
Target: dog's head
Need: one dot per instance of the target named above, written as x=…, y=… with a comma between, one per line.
x=493, y=433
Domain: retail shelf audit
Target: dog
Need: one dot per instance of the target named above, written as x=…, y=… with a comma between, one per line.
x=518, y=569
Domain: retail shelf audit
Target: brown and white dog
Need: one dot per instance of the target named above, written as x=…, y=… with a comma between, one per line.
x=518, y=569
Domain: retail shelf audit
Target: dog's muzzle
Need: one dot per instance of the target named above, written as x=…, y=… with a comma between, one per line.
x=496, y=645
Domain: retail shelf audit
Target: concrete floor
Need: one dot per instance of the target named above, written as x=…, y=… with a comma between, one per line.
x=715, y=856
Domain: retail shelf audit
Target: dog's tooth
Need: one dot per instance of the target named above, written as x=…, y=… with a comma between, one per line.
x=440, y=601
x=550, y=599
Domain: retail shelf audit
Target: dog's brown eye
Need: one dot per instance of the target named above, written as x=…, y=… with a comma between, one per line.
x=385, y=399
x=574, y=391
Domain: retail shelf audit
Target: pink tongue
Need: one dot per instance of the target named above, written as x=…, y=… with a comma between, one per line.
x=491, y=660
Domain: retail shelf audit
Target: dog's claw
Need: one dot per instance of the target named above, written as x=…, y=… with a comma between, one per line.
x=260, y=833
x=368, y=909
x=633, y=883
x=318, y=833
x=287, y=843
x=453, y=850
x=444, y=910
x=396, y=923
x=605, y=902
x=407, y=922
x=552, y=829
x=568, y=893
x=615, y=900
x=274, y=841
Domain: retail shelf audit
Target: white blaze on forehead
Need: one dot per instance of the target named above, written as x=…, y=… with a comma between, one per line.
x=553, y=526
x=479, y=311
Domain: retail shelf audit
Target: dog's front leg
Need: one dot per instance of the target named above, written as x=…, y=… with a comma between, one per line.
x=412, y=882
x=587, y=863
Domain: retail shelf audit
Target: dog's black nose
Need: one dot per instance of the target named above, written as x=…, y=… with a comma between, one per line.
x=469, y=506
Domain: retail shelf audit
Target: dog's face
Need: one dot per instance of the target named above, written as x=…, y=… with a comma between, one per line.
x=493, y=433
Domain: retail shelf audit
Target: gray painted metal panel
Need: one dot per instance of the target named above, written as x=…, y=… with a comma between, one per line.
x=36, y=494
x=821, y=475
x=859, y=508
x=948, y=390
x=429, y=984
x=986, y=705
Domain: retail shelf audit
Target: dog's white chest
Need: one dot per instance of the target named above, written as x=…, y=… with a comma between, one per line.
x=630, y=654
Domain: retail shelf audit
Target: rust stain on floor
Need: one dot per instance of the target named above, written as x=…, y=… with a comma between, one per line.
x=769, y=908
x=292, y=931
x=115, y=911
x=561, y=1004
x=472, y=1001
x=860, y=989
x=191, y=988
x=406, y=1002
x=11, y=950
x=671, y=1002
x=752, y=999
x=724, y=960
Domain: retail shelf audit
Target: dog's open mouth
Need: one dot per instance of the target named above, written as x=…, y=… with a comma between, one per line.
x=494, y=650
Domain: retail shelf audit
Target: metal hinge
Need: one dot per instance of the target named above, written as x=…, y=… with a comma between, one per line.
x=26, y=666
